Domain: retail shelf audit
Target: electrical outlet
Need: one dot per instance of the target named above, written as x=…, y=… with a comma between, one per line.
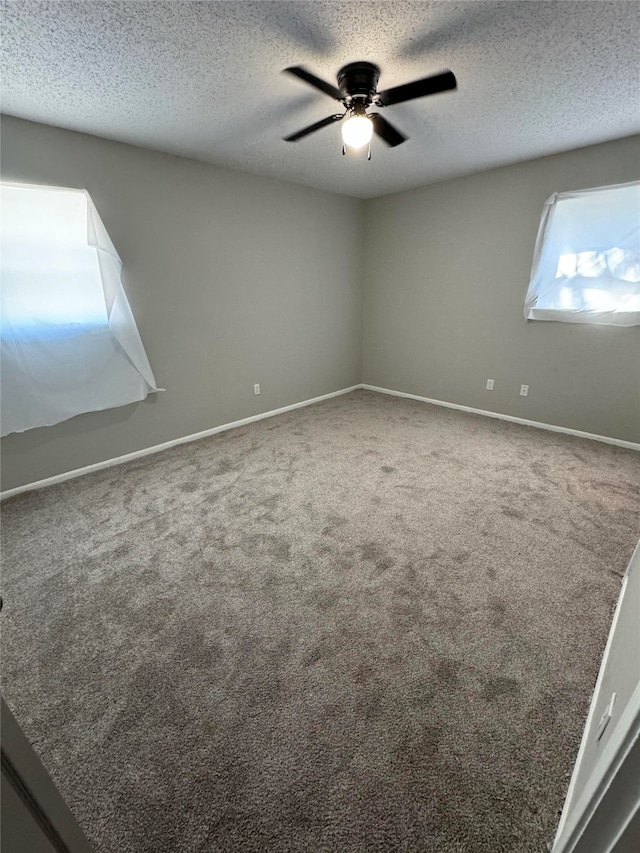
x=489, y=384
x=524, y=390
x=256, y=389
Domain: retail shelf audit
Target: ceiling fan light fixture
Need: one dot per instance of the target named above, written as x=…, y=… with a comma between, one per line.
x=357, y=90
x=357, y=131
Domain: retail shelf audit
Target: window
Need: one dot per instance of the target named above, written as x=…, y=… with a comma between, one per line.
x=69, y=341
x=586, y=266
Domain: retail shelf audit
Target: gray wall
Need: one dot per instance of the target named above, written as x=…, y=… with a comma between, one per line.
x=233, y=279
x=447, y=271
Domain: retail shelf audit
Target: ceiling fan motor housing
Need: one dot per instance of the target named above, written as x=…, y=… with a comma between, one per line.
x=358, y=82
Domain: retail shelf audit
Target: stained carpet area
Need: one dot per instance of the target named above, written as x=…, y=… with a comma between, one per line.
x=367, y=625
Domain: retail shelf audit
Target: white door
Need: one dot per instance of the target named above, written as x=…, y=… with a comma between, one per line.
x=602, y=809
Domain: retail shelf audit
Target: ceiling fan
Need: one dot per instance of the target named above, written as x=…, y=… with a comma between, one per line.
x=357, y=90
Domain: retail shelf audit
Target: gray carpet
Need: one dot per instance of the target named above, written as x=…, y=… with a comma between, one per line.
x=367, y=625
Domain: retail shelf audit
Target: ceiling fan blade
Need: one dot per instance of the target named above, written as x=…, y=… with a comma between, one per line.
x=443, y=82
x=387, y=132
x=313, y=127
x=312, y=80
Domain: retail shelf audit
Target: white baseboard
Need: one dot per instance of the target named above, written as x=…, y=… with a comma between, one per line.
x=147, y=451
x=619, y=442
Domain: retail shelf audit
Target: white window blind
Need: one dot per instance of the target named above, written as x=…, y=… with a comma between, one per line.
x=586, y=266
x=69, y=341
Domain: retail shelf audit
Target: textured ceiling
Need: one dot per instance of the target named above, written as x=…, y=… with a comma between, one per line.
x=201, y=79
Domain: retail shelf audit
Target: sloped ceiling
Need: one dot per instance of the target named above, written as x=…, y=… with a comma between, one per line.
x=202, y=79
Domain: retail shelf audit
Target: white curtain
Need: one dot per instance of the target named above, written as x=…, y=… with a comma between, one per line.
x=69, y=340
x=586, y=265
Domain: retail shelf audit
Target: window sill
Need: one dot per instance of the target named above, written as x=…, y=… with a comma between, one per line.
x=603, y=318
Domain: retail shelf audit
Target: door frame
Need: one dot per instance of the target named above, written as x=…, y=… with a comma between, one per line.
x=24, y=771
x=610, y=800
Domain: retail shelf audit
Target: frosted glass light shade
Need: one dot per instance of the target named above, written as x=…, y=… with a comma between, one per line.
x=356, y=131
